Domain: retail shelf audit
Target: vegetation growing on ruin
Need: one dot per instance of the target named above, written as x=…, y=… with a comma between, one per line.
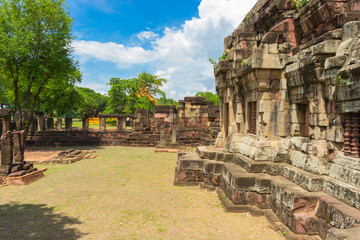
x=243, y=62
x=213, y=62
x=247, y=17
x=223, y=57
x=340, y=80
x=298, y=4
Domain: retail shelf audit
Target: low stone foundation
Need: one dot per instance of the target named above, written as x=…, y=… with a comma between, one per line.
x=26, y=179
x=303, y=202
x=191, y=137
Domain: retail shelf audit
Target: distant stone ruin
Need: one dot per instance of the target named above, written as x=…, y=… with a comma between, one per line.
x=289, y=119
x=13, y=168
x=194, y=123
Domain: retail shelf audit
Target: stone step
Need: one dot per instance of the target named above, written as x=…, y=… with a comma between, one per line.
x=344, y=234
x=341, y=190
x=311, y=208
x=207, y=152
x=346, y=169
x=249, y=164
x=240, y=180
x=303, y=211
x=309, y=181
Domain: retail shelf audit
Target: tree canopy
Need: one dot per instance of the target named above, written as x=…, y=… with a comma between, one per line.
x=166, y=101
x=209, y=96
x=35, y=52
x=127, y=95
x=88, y=100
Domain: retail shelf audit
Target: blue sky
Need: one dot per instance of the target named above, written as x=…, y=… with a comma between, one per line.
x=172, y=39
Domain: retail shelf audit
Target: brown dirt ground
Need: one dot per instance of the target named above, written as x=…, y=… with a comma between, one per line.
x=126, y=193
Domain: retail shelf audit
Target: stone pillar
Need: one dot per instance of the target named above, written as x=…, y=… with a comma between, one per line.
x=172, y=116
x=40, y=122
x=18, y=146
x=58, y=124
x=102, y=124
x=162, y=135
x=133, y=124
x=124, y=123
x=85, y=123
x=173, y=135
x=6, y=124
x=6, y=149
x=50, y=124
x=120, y=126
x=68, y=124
x=33, y=126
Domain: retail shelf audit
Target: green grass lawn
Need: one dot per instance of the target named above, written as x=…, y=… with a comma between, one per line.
x=77, y=123
x=126, y=193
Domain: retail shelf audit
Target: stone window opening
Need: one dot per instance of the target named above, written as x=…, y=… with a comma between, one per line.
x=352, y=135
x=303, y=115
x=252, y=110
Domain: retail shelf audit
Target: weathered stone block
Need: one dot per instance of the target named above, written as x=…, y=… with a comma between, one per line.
x=326, y=47
x=350, y=30
x=323, y=120
x=6, y=149
x=18, y=146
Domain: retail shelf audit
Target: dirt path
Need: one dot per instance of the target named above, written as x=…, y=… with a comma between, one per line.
x=126, y=193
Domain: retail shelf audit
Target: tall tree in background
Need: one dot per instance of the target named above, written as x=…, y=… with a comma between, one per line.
x=89, y=100
x=58, y=99
x=209, y=96
x=35, y=51
x=127, y=95
x=3, y=90
x=100, y=99
x=167, y=101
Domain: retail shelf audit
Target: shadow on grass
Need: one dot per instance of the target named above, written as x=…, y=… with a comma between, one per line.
x=35, y=221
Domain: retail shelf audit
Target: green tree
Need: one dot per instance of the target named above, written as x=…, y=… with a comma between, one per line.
x=84, y=104
x=209, y=96
x=100, y=99
x=166, y=101
x=58, y=99
x=127, y=95
x=3, y=90
x=35, y=51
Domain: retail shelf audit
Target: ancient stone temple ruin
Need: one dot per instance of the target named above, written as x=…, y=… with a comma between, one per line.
x=290, y=119
x=194, y=123
x=13, y=168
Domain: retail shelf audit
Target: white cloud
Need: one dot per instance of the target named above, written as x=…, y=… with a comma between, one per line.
x=117, y=53
x=147, y=35
x=181, y=54
x=97, y=87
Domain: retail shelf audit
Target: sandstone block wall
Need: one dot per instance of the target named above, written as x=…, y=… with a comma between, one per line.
x=195, y=123
x=289, y=86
